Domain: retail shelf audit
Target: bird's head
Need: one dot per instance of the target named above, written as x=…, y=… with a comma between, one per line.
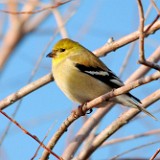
x=63, y=48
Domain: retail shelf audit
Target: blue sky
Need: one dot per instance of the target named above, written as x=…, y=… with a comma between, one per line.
x=93, y=23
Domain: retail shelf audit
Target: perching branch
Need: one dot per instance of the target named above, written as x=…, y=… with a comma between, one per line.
x=84, y=131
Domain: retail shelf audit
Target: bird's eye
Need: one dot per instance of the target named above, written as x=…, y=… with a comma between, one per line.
x=62, y=50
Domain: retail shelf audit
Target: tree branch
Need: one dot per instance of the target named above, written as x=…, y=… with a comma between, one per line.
x=25, y=91
x=127, y=39
x=123, y=139
x=31, y=135
x=142, y=59
x=36, y=11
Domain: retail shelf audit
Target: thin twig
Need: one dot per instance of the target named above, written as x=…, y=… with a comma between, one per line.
x=42, y=142
x=146, y=29
x=123, y=139
x=141, y=31
x=60, y=23
x=133, y=149
x=143, y=70
x=126, y=60
x=31, y=135
x=36, y=11
x=155, y=6
x=142, y=59
x=150, y=64
x=155, y=155
x=130, y=51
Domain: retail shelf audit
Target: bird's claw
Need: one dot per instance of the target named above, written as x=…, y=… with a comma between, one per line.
x=80, y=111
x=90, y=111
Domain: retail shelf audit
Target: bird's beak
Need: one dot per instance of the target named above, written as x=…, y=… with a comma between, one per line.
x=50, y=55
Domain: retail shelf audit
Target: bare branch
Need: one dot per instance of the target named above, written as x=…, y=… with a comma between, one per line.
x=36, y=11
x=123, y=139
x=31, y=135
x=141, y=31
x=46, y=135
x=142, y=70
x=133, y=149
x=85, y=130
x=25, y=91
x=60, y=22
x=154, y=156
x=17, y=32
x=150, y=64
x=155, y=6
x=126, y=60
x=127, y=39
x=79, y=138
x=142, y=59
x=150, y=26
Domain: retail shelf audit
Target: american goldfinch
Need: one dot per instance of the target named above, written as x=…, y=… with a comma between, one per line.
x=82, y=76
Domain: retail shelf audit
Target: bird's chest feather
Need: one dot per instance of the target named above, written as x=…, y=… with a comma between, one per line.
x=77, y=85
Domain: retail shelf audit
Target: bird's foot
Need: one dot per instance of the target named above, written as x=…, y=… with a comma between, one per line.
x=81, y=111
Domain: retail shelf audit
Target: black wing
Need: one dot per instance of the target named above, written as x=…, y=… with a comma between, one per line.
x=106, y=76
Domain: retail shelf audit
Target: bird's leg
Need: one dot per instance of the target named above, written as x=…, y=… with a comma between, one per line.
x=83, y=108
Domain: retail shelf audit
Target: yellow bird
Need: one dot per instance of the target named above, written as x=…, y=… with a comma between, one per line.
x=82, y=76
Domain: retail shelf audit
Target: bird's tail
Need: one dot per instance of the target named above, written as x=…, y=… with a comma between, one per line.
x=145, y=111
x=131, y=101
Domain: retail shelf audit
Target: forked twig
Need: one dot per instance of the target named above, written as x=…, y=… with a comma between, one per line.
x=142, y=59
